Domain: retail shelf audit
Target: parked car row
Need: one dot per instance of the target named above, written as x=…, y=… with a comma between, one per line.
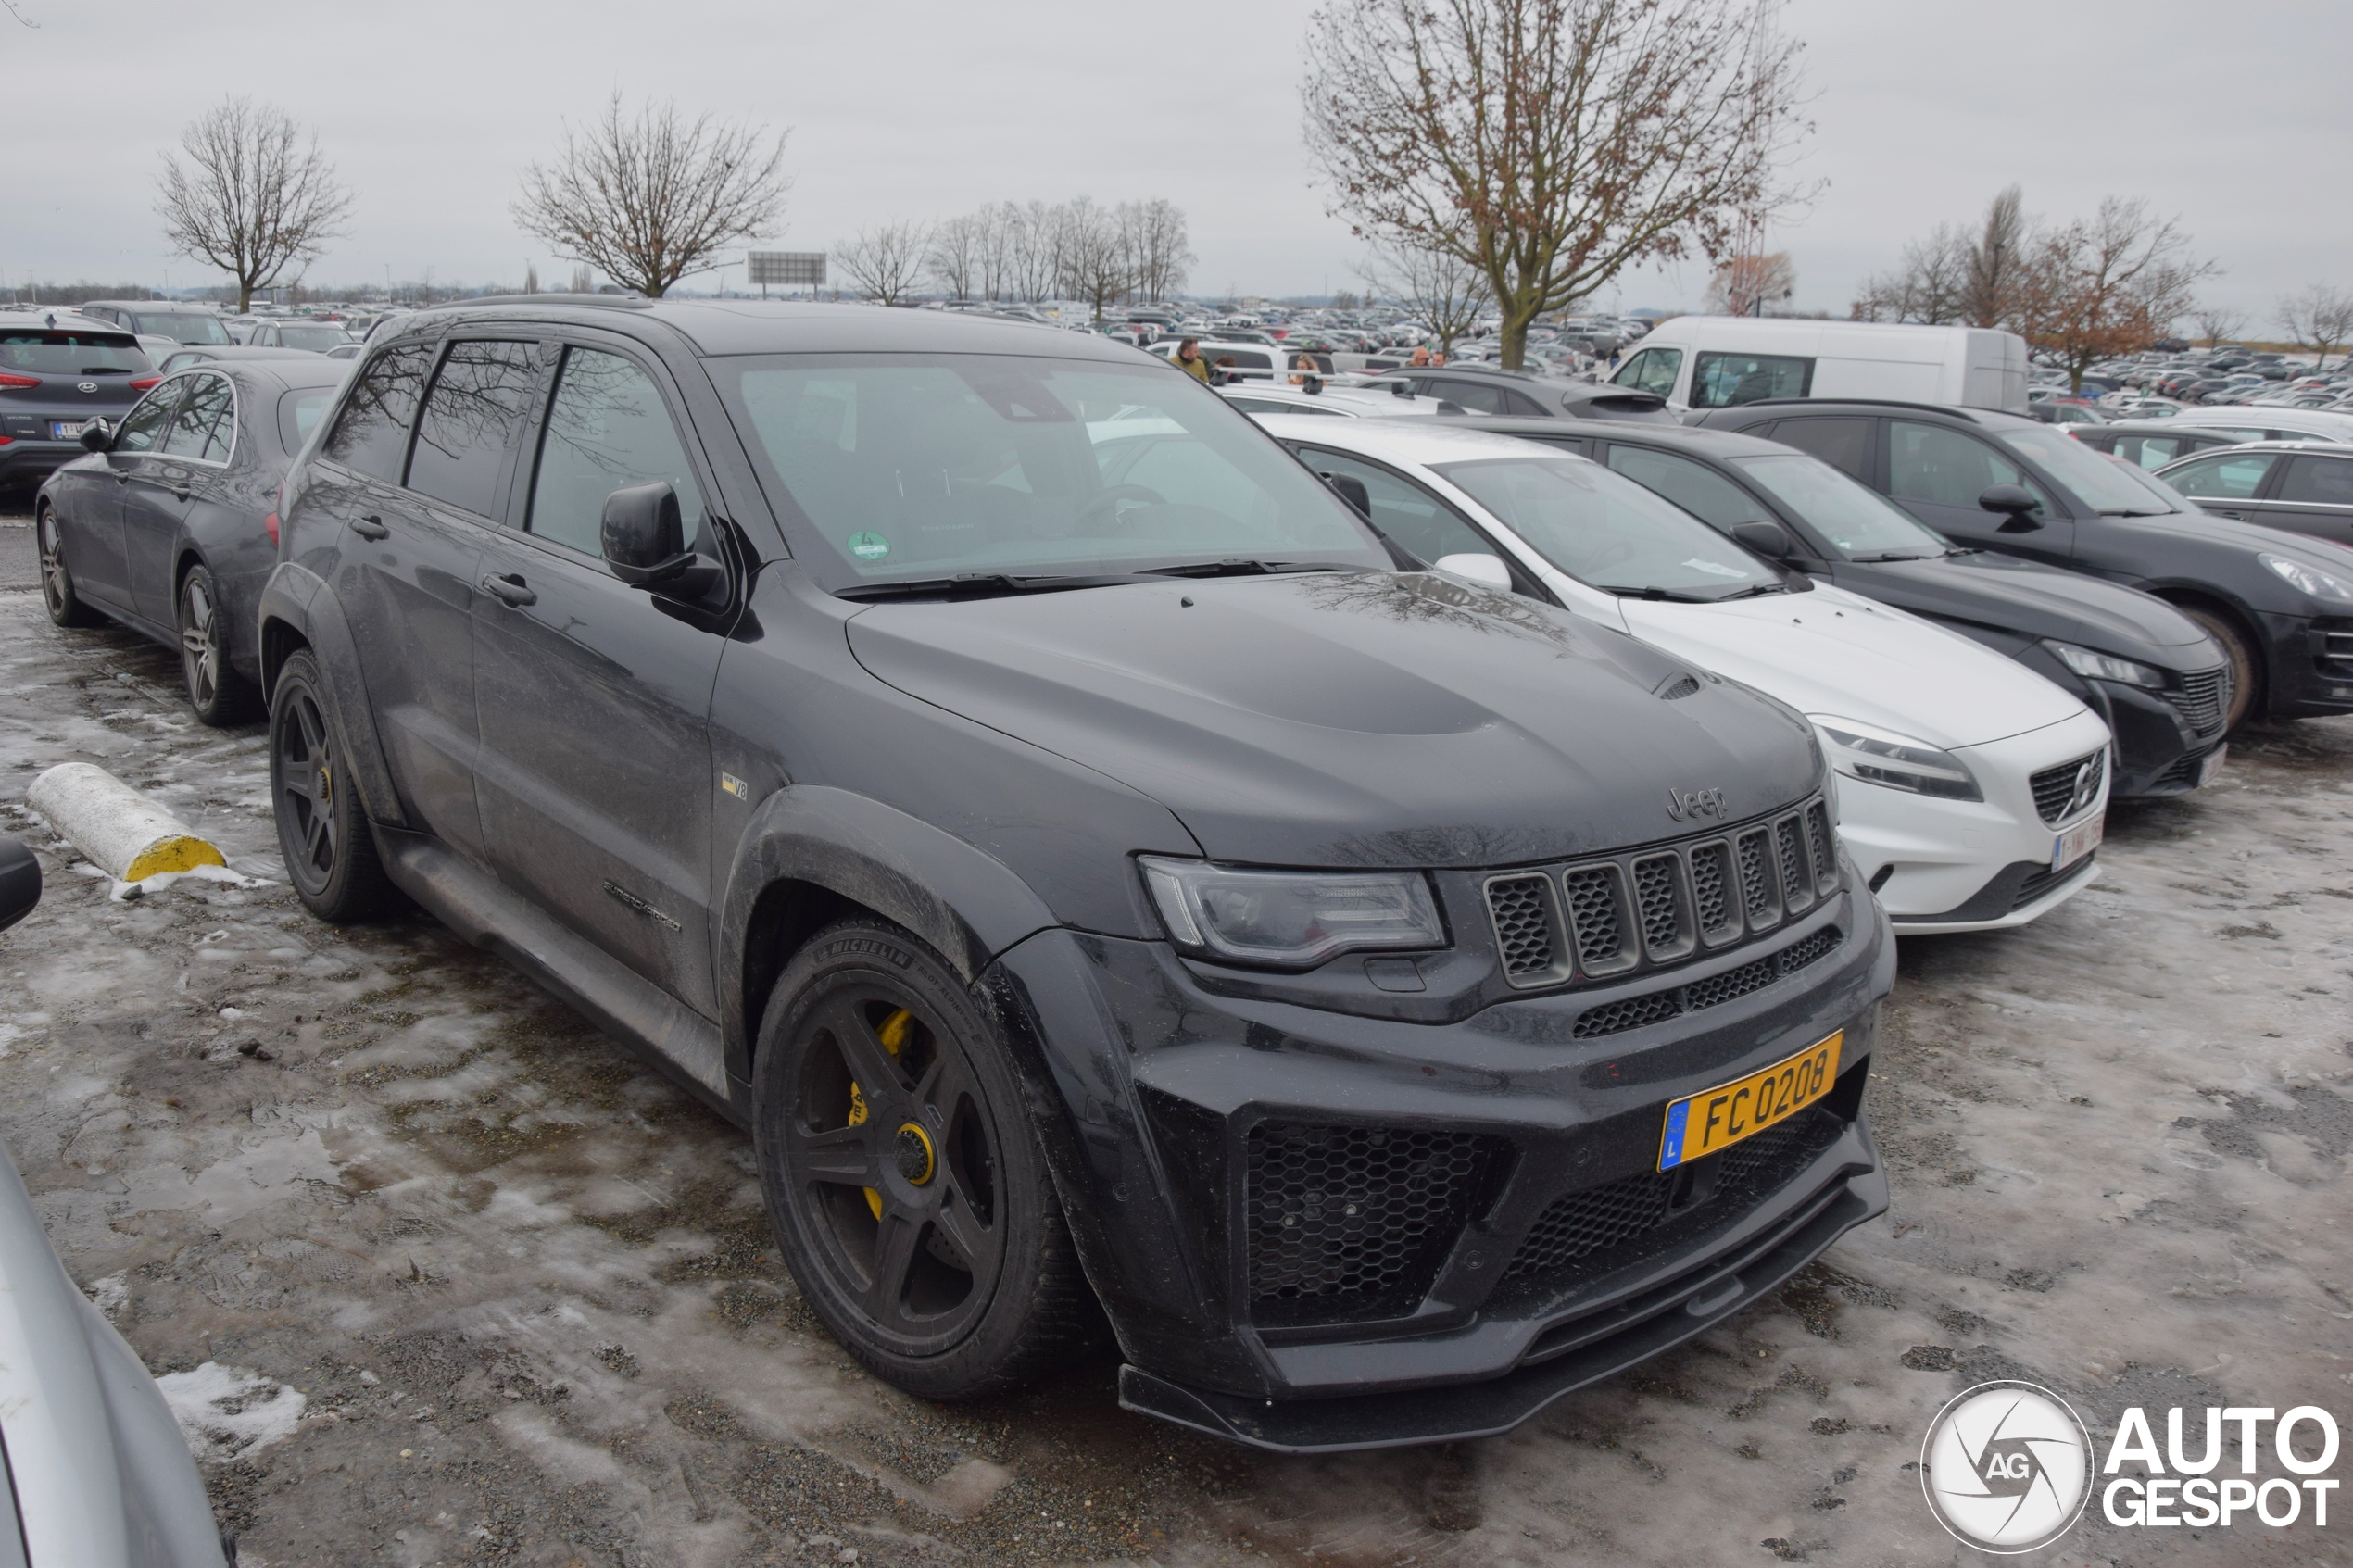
x=1357, y=901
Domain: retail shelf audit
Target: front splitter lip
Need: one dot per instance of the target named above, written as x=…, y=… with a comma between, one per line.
x=1457, y=1411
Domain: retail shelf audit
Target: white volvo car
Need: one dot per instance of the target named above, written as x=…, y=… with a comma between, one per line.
x=1972, y=791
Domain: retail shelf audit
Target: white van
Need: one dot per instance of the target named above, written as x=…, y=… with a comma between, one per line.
x=1717, y=361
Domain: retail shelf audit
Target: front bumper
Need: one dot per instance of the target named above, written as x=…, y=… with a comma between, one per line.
x=2310, y=665
x=1440, y=1168
x=1971, y=865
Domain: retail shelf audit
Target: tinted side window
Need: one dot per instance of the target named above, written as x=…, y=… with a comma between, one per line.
x=2326, y=482
x=480, y=399
x=1726, y=381
x=206, y=422
x=371, y=434
x=1845, y=445
x=1405, y=512
x=1652, y=369
x=143, y=428
x=2224, y=477
x=1520, y=403
x=1476, y=397
x=1931, y=463
x=1705, y=494
x=606, y=428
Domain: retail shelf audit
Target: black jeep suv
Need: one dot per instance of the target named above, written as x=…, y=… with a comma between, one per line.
x=1092, y=865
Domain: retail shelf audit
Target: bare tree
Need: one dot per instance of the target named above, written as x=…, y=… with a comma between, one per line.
x=1158, y=250
x=1996, y=262
x=255, y=196
x=1091, y=259
x=1743, y=285
x=1551, y=143
x=2216, y=322
x=885, y=263
x=531, y=277
x=1035, y=250
x=1445, y=293
x=2320, y=318
x=957, y=251
x=1927, y=288
x=2106, y=285
x=652, y=199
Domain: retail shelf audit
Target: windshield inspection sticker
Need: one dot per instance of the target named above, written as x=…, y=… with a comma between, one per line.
x=869, y=547
x=1717, y=567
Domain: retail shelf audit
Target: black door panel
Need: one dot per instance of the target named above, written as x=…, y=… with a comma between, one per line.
x=1937, y=474
x=596, y=777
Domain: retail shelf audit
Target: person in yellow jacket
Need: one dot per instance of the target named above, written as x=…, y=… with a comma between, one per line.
x=1188, y=360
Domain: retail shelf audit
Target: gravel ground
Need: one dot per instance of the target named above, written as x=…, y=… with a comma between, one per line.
x=472, y=1286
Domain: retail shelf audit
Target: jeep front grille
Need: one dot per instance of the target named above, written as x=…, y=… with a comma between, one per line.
x=1599, y=919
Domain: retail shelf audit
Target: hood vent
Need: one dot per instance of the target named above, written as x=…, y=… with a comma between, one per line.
x=1680, y=687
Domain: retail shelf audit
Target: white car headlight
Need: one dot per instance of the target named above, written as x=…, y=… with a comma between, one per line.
x=2106, y=667
x=1292, y=919
x=1894, y=760
x=2308, y=579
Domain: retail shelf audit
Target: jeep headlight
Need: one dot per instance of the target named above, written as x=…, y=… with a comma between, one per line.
x=2106, y=666
x=1894, y=761
x=1290, y=920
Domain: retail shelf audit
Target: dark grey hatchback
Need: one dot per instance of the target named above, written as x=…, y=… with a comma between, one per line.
x=1102, y=877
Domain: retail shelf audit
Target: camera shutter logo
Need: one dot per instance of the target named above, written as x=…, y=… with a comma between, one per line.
x=2007, y=1467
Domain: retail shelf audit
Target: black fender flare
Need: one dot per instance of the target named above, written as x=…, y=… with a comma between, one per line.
x=841, y=846
x=297, y=609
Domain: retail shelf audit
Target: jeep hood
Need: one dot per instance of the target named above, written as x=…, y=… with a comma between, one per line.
x=1359, y=719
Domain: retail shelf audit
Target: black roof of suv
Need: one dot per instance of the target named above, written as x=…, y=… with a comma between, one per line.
x=991, y=769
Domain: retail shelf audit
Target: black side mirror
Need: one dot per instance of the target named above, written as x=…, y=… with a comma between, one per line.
x=1351, y=489
x=19, y=881
x=2015, y=500
x=1767, y=539
x=97, y=436
x=645, y=542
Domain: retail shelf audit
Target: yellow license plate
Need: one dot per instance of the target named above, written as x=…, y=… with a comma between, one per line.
x=1720, y=1117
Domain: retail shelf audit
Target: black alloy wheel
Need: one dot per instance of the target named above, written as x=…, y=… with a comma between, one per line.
x=906, y=1186
x=58, y=595
x=217, y=692
x=329, y=848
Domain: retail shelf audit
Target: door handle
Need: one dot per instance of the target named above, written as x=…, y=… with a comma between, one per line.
x=372, y=528
x=509, y=590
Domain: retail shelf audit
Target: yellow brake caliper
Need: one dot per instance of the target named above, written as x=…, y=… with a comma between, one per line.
x=893, y=1035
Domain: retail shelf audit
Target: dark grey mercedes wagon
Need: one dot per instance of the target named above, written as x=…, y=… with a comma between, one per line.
x=1112, y=887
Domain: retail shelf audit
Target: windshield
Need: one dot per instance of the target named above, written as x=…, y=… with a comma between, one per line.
x=71, y=352
x=2105, y=484
x=1858, y=523
x=1608, y=531
x=185, y=327
x=907, y=465
x=317, y=340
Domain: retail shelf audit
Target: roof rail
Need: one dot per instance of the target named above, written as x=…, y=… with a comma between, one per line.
x=606, y=301
x=1953, y=408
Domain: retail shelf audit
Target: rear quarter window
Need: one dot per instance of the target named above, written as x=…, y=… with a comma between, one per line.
x=299, y=412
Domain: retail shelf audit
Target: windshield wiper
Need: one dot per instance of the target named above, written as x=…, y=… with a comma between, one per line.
x=2127, y=511
x=1241, y=567
x=1670, y=595
x=979, y=583
x=1752, y=592
x=1897, y=555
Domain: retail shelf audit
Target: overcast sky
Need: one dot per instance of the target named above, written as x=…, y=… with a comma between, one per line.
x=2228, y=116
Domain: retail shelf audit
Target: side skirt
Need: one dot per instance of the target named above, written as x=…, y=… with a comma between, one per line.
x=672, y=1036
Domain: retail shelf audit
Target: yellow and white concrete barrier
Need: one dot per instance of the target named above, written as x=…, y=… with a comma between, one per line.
x=116, y=829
